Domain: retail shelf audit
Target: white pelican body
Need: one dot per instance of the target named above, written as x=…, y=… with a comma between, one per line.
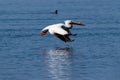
x=56, y=28
x=60, y=30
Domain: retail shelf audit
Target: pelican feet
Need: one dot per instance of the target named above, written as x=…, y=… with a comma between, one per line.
x=71, y=40
x=74, y=34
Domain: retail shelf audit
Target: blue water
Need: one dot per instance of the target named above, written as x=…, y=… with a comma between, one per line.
x=25, y=55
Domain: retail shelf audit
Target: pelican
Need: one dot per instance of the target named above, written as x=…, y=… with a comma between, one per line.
x=60, y=30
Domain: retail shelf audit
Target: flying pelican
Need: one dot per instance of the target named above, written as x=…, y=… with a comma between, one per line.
x=60, y=30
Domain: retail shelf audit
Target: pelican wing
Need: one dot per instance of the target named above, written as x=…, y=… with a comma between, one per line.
x=64, y=38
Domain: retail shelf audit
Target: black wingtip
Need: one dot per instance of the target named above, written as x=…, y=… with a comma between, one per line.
x=64, y=38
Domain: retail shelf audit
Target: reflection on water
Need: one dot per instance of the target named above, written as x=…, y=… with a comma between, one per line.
x=58, y=63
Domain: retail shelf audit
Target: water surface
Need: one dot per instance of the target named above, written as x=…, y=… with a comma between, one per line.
x=25, y=55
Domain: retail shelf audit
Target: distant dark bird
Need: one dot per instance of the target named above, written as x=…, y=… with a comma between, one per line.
x=56, y=11
x=61, y=30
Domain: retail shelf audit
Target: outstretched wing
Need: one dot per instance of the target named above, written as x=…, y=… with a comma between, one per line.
x=64, y=38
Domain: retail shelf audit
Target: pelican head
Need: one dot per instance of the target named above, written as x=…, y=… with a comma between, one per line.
x=69, y=23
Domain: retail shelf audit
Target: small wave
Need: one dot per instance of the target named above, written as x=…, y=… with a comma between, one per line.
x=17, y=33
x=100, y=34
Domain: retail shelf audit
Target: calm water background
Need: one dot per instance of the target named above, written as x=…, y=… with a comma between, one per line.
x=25, y=55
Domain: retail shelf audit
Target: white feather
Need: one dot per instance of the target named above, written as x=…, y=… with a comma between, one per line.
x=56, y=28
